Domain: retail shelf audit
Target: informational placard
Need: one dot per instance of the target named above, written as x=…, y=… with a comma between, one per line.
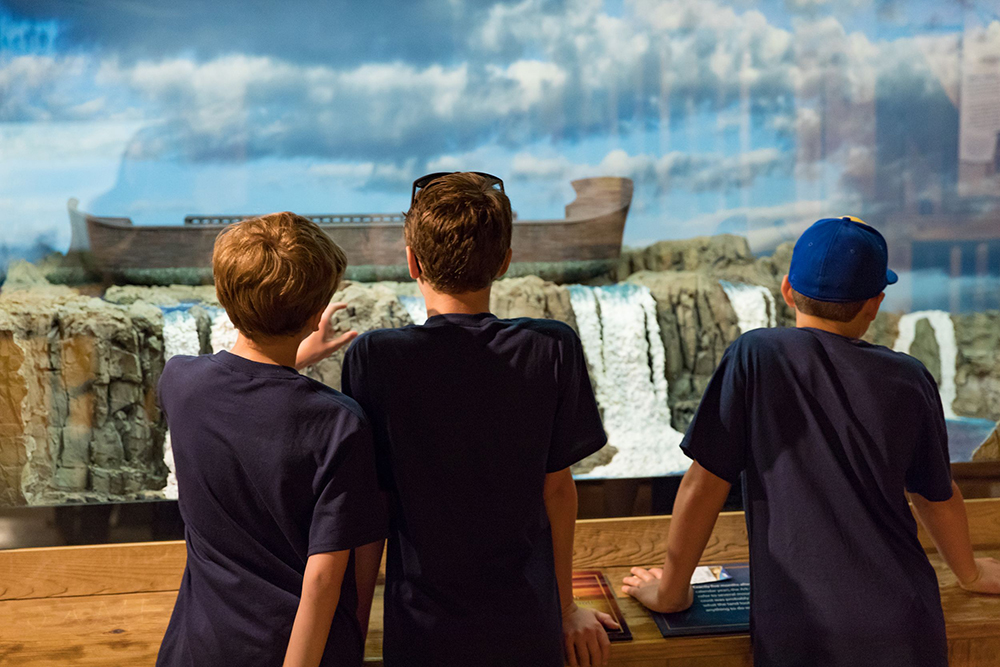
x=591, y=590
x=719, y=608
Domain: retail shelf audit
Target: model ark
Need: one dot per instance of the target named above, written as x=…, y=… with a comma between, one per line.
x=586, y=243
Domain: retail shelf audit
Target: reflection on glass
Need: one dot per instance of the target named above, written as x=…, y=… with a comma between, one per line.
x=661, y=157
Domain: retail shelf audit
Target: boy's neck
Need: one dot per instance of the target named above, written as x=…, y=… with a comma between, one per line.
x=467, y=303
x=279, y=352
x=853, y=329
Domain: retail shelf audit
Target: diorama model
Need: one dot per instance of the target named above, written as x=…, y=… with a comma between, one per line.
x=586, y=243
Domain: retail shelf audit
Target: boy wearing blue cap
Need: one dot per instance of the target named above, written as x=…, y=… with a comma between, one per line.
x=830, y=433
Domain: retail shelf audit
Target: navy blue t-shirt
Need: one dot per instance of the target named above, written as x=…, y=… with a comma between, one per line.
x=470, y=413
x=830, y=431
x=272, y=467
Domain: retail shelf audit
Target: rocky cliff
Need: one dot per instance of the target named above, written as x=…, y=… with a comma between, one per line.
x=78, y=415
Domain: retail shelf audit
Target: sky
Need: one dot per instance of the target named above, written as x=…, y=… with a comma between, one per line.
x=731, y=116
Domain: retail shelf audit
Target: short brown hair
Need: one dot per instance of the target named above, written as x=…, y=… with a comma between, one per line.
x=827, y=310
x=274, y=272
x=459, y=228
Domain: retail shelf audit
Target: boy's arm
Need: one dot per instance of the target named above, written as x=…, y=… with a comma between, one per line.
x=320, y=594
x=367, y=560
x=584, y=638
x=699, y=500
x=948, y=526
x=317, y=346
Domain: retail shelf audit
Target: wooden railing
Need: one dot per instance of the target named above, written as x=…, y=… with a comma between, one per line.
x=109, y=605
x=322, y=219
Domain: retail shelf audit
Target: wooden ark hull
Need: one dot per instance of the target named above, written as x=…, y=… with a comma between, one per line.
x=587, y=242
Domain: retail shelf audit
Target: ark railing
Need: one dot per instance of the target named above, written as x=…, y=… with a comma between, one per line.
x=333, y=219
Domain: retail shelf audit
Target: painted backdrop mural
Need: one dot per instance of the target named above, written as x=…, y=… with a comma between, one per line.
x=747, y=117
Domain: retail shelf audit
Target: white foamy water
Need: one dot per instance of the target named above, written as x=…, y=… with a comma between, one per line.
x=415, y=307
x=754, y=305
x=180, y=336
x=621, y=339
x=223, y=334
x=944, y=334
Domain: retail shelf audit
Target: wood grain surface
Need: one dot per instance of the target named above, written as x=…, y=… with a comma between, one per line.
x=109, y=605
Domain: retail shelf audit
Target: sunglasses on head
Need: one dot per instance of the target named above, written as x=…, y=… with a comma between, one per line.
x=426, y=181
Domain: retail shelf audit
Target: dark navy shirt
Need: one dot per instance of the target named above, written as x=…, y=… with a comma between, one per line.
x=469, y=413
x=830, y=431
x=272, y=467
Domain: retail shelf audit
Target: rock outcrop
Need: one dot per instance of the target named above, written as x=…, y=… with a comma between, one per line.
x=78, y=414
x=532, y=297
x=697, y=324
x=369, y=306
x=990, y=449
x=977, y=376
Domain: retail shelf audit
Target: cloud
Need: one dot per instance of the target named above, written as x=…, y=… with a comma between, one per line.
x=337, y=33
x=706, y=95
x=65, y=140
x=528, y=71
x=673, y=171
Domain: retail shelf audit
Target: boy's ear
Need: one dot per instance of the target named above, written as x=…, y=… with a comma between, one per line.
x=412, y=264
x=786, y=292
x=871, y=307
x=313, y=323
x=506, y=264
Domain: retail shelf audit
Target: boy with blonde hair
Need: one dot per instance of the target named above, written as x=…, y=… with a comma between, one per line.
x=275, y=471
x=477, y=421
x=829, y=433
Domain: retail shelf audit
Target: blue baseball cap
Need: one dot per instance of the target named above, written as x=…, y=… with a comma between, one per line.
x=840, y=260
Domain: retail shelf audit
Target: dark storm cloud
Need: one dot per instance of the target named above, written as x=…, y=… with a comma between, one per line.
x=336, y=32
x=404, y=83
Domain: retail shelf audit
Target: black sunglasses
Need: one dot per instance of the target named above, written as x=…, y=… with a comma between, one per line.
x=428, y=180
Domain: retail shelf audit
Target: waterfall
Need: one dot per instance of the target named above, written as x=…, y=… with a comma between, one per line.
x=754, y=305
x=415, y=307
x=222, y=334
x=944, y=334
x=621, y=339
x=180, y=332
x=180, y=336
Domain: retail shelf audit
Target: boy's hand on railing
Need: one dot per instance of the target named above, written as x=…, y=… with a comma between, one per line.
x=987, y=579
x=584, y=638
x=319, y=345
x=645, y=586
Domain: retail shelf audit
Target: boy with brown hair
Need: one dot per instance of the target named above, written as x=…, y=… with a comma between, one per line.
x=276, y=471
x=830, y=434
x=476, y=423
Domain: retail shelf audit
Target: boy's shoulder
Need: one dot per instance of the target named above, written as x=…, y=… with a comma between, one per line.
x=783, y=340
x=183, y=374
x=325, y=397
x=555, y=330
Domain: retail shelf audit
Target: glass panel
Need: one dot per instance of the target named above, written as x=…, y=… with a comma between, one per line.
x=661, y=157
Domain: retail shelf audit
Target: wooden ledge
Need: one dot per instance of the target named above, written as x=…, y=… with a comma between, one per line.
x=109, y=604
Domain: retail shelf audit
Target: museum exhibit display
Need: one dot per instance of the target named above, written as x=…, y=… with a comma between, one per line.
x=661, y=158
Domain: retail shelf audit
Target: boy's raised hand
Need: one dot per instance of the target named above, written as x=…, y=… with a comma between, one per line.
x=318, y=346
x=584, y=637
x=988, y=580
x=644, y=586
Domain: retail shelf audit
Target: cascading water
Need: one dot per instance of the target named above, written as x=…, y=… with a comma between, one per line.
x=415, y=307
x=180, y=336
x=621, y=339
x=944, y=334
x=222, y=334
x=754, y=305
